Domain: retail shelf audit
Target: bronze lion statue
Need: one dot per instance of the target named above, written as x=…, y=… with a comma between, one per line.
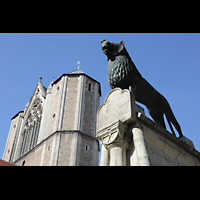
x=123, y=73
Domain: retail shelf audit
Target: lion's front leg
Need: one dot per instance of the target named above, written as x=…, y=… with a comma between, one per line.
x=132, y=89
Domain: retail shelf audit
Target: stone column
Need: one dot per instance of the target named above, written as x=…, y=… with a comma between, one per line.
x=104, y=156
x=140, y=146
x=118, y=154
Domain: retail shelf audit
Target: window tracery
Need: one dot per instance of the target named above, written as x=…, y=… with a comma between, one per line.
x=31, y=127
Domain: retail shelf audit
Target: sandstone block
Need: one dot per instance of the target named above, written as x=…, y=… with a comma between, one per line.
x=118, y=105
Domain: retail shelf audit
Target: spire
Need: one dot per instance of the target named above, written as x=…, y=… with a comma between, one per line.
x=78, y=64
x=78, y=71
x=50, y=86
x=40, y=78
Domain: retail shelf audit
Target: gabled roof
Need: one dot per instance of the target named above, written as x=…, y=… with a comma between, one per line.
x=42, y=88
x=43, y=91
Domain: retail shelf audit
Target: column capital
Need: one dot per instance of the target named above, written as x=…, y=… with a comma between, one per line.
x=116, y=134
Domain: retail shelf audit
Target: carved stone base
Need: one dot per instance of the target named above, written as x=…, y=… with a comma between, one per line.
x=113, y=118
x=116, y=129
x=114, y=143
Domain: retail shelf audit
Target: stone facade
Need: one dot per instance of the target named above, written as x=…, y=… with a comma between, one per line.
x=164, y=149
x=129, y=138
x=66, y=131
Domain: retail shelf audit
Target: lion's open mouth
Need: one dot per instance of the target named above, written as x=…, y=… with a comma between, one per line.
x=105, y=51
x=107, y=47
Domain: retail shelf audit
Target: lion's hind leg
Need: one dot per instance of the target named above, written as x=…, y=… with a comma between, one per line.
x=172, y=130
x=157, y=117
x=171, y=118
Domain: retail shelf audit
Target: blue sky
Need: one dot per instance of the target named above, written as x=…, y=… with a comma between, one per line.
x=169, y=61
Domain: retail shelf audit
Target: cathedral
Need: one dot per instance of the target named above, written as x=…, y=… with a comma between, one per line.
x=58, y=125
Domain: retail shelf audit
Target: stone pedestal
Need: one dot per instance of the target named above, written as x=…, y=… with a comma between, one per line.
x=129, y=138
x=187, y=141
x=113, y=118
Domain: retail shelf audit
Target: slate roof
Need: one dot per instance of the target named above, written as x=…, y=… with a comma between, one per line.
x=78, y=71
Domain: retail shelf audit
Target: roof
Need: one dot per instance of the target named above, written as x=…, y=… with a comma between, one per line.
x=16, y=115
x=4, y=163
x=78, y=71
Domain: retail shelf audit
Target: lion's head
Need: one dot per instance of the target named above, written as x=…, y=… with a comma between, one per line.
x=111, y=49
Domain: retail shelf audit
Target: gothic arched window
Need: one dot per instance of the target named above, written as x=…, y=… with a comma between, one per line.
x=31, y=127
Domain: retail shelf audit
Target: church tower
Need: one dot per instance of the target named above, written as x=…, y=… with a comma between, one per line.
x=58, y=125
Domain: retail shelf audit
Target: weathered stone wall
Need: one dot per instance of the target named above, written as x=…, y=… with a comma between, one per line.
x=164, y=149
x=53, y=116
x=87, y=151
x=70, y=108
x=14, y=130
x=63, y=148
x=90, y=102
x=42, y=154
x=68, y=149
